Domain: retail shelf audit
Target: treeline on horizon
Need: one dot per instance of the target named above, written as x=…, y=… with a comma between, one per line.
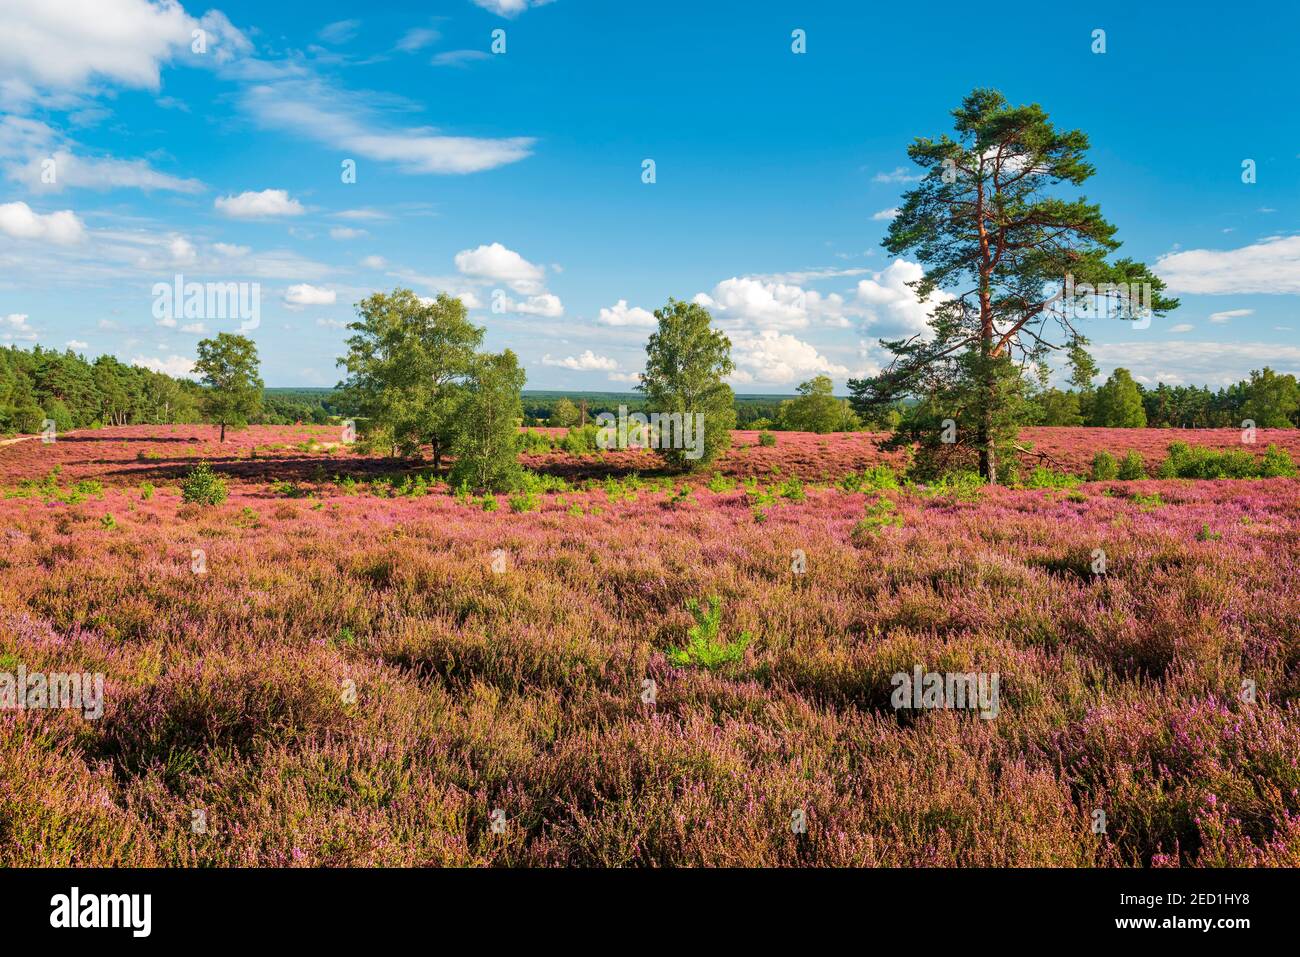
x=73, y=392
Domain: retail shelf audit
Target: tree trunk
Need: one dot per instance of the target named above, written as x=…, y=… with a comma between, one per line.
x=988, y=442
x=223, y=431
x=984, y=435
x=437, y=454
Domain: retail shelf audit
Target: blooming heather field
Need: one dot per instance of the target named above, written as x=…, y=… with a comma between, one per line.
x=364, y=679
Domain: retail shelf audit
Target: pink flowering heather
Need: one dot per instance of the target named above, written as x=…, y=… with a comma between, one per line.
x=336, y=673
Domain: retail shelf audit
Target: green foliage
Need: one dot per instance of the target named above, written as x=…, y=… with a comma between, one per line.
x=287, y=489
x=146, y=491
x=874, y=479
x=407, y=364
x=1083, y=369
x=203, y=486
x=542, y=482
x=1057, y=408
x=108, y=522
x=228, y=366
x=581, y=440
x=487, y=422
x=564, y=415
x=686, y=361
x=77, y=394
x=720, y=483
x=977, y=222
x=815, y=410
x=705, y=647
x=766, y=439
x=1272, y=400
x=969, y=418
x=1198, y=462
x=880, y=514
x=535, y=442
x=1276, y=463
x=1132, y=468
x=1104, y=467
x=1118, y=403
x=1043, y=477
x=524, y=501
x=681, y=496
x=1148, y=503
x=957, y=486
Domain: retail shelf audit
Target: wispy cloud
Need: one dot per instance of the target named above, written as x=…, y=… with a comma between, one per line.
x=1269, y=266
x=311, y=108
x=458, y=57
x=340, y=31
x=899, y=174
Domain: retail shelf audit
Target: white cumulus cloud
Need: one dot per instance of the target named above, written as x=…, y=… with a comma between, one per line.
x=65, y=45
x=176, y=366
x=21, y=222
x=16, y=327
x=891, y=307
x=496, y=263
x=587, y=362
x=620, y=314
x=251, y=205
x=776, y=358
x=509, y=8
x=305, y=294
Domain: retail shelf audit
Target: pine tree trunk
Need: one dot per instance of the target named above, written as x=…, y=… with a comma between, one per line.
x=984, y=437
x=223, y=431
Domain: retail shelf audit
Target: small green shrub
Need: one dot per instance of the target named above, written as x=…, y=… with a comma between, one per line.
x=963, y=486
x=535, y=442
x=1199, y=462
x=1104, y=467
x=203, y=486
x=146, y=491
x=881, y=514
x=1132, y=468
x=706, y=648
x=581, y=441
x=1043, y=477
x=766, y=439
x=288, y=489
x=524, y=501
x=1149, y=503
x=720, y=483
x=1276, y=463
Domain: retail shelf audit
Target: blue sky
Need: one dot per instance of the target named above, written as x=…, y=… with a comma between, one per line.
x=519, y=175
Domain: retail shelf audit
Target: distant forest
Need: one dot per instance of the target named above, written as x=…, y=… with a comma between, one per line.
x=40, y=385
